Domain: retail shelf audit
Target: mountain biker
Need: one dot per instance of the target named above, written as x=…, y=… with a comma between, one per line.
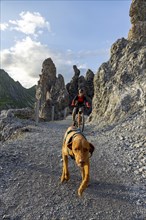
x=78, y=103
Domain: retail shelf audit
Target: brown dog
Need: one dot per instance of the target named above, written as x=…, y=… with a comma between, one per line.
x=76, y=145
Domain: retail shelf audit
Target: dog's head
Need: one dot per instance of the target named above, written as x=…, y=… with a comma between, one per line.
x=81, y=149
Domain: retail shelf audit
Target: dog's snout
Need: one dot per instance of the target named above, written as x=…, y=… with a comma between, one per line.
x=81, y=162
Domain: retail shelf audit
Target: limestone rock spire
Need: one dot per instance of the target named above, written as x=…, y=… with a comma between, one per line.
x=138, y=20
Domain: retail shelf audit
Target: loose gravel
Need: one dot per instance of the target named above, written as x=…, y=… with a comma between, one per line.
x=31, y=166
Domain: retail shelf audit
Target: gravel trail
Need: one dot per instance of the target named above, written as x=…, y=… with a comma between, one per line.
x=31, y=166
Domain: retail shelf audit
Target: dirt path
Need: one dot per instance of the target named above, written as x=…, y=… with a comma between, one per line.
x=30, y=170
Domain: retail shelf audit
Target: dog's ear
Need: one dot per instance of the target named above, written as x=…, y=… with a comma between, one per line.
x=92, y=148
x=69, y=145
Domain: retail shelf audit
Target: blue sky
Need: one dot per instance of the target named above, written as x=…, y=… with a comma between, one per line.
x=70, y=32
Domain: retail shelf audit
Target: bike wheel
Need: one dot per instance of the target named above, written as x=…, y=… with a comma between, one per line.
x=76, y=121
x=82, y=122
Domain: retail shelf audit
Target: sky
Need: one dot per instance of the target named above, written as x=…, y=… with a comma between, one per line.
x=70, y=32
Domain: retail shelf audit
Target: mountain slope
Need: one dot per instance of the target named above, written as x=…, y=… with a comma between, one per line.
x=13, y=94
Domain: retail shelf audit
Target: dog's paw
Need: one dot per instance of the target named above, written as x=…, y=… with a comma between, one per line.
x=64, y=178
x=80, y=192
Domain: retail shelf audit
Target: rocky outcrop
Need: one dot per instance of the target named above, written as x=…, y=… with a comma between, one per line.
x=78, y=82
x=14, y=122
x=51, y=93
x=138, y=20
x=89, y=78
x=72, y=86
x=119, y=85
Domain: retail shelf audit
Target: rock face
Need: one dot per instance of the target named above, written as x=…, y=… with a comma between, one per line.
x=89, y=78
x=81, y=82
x=120, y=83
x=72, y=87
x=51, y=92
x=138, y=20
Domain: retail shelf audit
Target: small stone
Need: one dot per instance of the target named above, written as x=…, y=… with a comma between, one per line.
x=136, y=172
x=6, y=217
x=138, y=202
x=121, y=138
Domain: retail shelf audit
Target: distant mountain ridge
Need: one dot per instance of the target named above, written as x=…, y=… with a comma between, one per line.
x=13, y=94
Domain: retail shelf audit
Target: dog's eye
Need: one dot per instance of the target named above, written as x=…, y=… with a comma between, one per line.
x=76, y=149
x=85, y=149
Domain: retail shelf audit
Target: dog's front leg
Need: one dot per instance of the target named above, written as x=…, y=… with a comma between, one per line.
x=65, y=172
x=85, y=179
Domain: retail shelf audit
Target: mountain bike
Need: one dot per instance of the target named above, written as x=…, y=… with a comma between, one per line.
x=80, y=119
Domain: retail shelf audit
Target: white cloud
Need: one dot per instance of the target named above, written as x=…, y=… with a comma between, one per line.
x=3, y=26
x=30, y=23
x=24, y=60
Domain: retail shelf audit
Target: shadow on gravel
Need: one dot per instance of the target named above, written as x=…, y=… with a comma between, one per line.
x=116, y=191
